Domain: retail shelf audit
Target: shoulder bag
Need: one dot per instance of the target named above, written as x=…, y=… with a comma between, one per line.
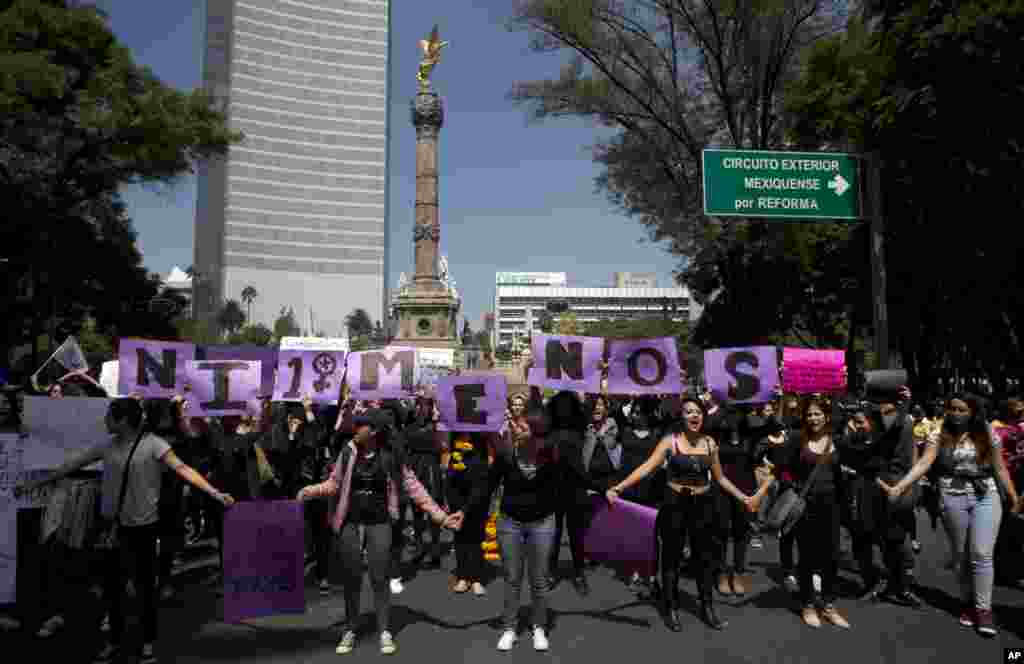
x=789, y=506
x=108, y=538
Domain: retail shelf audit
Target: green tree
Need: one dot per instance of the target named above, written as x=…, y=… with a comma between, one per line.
x=197, y=331
x=78, y=120
x=357, y=344
x=670, y=78
x=546, y=322
x=359, y=324
x=253, y=335
x=286, y=325
x=248, y=295
x=231, y=318
x=900, y=82
x=567, y=324
x=380, y=337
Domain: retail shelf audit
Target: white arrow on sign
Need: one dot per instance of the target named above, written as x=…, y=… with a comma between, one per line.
x=838, y=184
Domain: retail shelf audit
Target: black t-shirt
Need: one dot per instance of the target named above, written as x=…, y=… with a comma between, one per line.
x=368, y=502
x=531, y=492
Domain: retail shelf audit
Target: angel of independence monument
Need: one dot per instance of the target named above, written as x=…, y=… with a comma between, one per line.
x=427, y=307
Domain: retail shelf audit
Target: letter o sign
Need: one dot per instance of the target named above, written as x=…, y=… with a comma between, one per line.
x=633, y=366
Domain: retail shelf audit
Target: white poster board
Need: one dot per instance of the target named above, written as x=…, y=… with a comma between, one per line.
x=12, y=473
x=314, y=343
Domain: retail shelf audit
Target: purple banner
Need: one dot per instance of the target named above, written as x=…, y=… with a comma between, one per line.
x=153, y=369
x=388, y=373
x=316, y=373
x=566, y=363
x=622, y=536
x=475, y=402
x=644, y=366
x=742, y=375
x=223, y=387
x=264, y=559
x=266, y=356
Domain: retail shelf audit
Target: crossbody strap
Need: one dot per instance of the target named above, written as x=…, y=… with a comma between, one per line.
x=813, y=475
x=124, y=478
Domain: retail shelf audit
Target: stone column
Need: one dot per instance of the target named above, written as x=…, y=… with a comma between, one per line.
x=428, y=118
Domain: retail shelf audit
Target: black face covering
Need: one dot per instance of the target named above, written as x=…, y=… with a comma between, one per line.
x=956, y=424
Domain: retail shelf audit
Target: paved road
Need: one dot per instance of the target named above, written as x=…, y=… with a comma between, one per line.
x=611, y=625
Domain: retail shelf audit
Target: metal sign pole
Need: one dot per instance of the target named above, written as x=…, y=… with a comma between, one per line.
x=879, y=285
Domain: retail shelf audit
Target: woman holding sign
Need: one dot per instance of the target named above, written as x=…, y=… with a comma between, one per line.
x=689, y=508
x=366, y=481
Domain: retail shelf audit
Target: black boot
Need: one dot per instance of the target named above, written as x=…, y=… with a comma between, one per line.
x=707, y=609
x=670, y=600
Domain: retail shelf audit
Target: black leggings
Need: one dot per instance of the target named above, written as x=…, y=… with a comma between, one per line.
x=137, y=544
x=681, y=517
x=469, y=556
x=350, y=570
x=575, y=518
x=817, y=535
x=319, y=536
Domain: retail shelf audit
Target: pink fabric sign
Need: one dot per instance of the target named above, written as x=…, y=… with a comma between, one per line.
x=742, y=375
x=474, y=402
x=223, y=387
x=153, y=369
x=622, y=536
x=264, y=559
x=806, y=371
x=316, y=373
x=566, y=362
x=644, y=366
x=388, y=373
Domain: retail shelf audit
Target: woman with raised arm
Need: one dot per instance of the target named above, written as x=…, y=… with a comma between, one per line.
x=133, y=464
x=689, y=508
x=366, y=481
x=969, y=469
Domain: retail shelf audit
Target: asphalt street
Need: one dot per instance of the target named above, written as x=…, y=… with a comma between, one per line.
x=611, y=625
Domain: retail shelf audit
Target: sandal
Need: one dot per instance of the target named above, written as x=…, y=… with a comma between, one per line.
x=810, y=617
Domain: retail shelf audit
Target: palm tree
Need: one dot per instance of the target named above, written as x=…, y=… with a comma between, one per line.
x=248, y=295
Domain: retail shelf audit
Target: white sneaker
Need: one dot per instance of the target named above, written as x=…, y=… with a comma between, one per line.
x=347, y=643
x=540, y=639
x=816, y=582
x=397, y=587
x=105, y=624
x=387, y=644
x=507, y=640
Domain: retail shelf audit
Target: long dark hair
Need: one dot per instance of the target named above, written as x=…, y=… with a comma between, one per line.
x=575, y=421
x=977, y=427
x=677, y=423
x=156, y=411
x=825, y=406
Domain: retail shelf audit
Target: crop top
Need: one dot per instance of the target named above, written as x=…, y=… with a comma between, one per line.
x=688, y=468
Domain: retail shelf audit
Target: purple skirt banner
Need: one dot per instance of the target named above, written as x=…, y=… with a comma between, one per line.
x=264, y=560
x=742, y=375
x=644, y=366
x=622, y=536
x=474, y=402
x=316, y=373
x=806, y=371
x=223, y=387
x=566, y=363
x=266, y=356
x=388, y=373
x=154, y=369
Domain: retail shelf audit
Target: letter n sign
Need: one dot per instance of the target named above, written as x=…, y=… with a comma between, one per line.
x=153, y=369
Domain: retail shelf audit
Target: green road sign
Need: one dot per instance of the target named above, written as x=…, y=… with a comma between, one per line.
x=781, y=185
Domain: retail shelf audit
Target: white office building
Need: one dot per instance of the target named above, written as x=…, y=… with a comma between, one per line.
x=521, y=297
x=298, y=210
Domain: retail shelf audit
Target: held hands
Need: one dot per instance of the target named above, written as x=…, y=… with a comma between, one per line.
x=893, y=492
x=453, y=521
x=612, y=495
x=307, y=402
x=303, y=494
x=225, y=499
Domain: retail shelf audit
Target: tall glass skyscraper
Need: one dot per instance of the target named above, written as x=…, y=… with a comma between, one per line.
x=298, y=210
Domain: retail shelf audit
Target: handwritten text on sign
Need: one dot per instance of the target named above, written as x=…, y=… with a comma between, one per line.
x=474, y=402
x=566, y=362
x=153, y=369
x=316, y=373
x=808, y=371
x=223, y=387
x=389, y=373
x=644, y=366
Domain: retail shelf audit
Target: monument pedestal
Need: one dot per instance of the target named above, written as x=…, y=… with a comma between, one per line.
x=427, y=318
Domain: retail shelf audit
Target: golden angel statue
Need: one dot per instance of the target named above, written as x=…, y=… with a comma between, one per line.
x=431, y=56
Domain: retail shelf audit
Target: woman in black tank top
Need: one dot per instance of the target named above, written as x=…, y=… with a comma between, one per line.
x=689, y=509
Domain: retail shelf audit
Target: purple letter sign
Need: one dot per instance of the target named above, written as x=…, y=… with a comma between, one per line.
x=644, y=366
x=267, y=357
x=264, y=552
x=474, y=402
x=388, y=373
x=742, y=375
x=566, y=363
x=316, y=373
x=153, y=369
x=223, y=387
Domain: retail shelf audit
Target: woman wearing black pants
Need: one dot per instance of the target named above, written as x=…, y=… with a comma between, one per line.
x=694, y=472
x=466, y=492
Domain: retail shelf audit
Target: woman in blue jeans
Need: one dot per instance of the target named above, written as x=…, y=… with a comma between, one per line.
x=968, y=464
x=526, y=466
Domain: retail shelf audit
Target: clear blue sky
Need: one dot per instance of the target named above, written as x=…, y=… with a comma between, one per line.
x=513, y=197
